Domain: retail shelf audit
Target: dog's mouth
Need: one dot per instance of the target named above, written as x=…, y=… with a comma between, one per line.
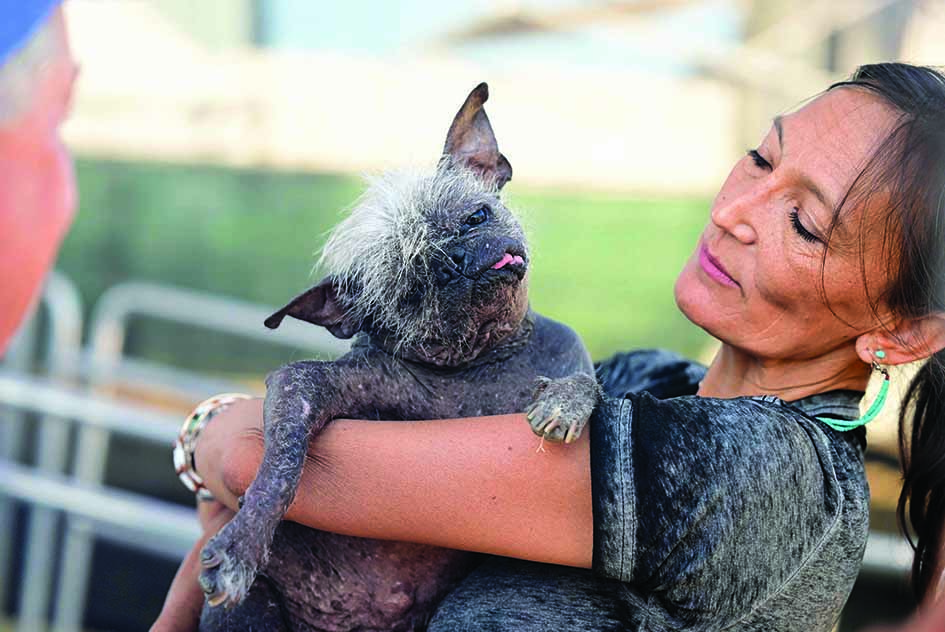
x=508, y=259
x=487, y=263
x=512, y=262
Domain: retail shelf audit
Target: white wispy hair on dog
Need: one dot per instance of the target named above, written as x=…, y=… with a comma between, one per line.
x=380, y=254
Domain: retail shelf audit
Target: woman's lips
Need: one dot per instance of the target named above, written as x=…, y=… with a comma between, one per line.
x=713, y=268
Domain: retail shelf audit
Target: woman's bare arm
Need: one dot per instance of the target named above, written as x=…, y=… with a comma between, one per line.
x=476, y=484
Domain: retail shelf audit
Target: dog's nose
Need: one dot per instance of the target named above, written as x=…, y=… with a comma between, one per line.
x=444, y=273
x=451, y=266
x=460, y=258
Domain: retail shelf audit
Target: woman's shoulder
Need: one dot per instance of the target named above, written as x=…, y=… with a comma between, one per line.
x=658, y=387
x=740, y=429
x=737, y=428
x=651, y=417
x=690, y=492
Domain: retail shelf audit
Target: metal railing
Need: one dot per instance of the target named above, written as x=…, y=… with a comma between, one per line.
x=131, y=519
x=63, y=310
x=93, y=510
x=105, y=358
x=119, y=515
x=127, y=515
x=12, y=429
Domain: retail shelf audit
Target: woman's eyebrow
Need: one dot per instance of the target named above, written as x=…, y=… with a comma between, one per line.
x=802, y=179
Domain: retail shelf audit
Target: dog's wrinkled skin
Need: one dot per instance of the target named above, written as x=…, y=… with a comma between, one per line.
x=430, y=272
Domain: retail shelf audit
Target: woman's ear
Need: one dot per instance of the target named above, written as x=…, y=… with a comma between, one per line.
x=909, y=340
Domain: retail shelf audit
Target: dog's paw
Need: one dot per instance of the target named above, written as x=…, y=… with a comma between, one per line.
x=230, y=561
x=561, y=407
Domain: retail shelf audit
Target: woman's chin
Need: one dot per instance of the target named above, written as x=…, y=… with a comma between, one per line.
x=694, y=299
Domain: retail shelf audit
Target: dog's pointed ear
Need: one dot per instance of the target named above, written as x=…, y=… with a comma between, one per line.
x=319, y=305
x=471, y=143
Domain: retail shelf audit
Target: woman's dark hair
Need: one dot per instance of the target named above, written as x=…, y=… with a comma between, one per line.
x=907, y=175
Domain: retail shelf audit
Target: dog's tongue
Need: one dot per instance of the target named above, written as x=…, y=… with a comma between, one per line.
x=506, y=260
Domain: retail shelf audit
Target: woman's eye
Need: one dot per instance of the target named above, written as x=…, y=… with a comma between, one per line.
x=481, y=215
x=799, y=228
x=759, y=160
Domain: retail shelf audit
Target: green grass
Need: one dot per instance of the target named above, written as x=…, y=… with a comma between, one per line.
x=604, y=264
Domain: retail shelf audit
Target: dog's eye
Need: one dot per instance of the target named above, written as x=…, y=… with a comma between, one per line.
x=481, y=215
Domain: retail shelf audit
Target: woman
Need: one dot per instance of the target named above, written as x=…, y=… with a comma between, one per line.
x=726, y=498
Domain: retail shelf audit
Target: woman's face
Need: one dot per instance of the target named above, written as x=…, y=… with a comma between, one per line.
x=754, y=279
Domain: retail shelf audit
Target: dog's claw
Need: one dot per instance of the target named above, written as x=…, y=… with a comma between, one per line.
x=216, y=599
x=562, y=406
x=209, y=559
x=572, y=433
x=230, y=561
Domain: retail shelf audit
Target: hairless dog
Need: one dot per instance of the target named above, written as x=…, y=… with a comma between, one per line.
x=429, y=272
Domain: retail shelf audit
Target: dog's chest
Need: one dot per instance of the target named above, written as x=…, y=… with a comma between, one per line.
x=491, y=389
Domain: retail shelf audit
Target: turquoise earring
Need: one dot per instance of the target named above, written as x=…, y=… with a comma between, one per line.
x=875, y=407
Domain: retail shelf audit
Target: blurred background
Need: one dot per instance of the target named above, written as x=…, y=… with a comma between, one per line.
x=218, y=141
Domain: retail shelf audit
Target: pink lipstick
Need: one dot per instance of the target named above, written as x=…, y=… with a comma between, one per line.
x=713, y=268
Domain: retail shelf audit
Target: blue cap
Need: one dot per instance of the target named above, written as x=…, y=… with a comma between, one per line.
x=18, y=20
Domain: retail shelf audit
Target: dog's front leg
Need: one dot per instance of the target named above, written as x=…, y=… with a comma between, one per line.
x=561, y=407
x=300, y=399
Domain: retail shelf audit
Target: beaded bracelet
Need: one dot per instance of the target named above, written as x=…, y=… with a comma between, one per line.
x=186, y=441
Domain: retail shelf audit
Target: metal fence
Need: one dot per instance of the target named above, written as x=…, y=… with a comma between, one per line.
x=73, y=392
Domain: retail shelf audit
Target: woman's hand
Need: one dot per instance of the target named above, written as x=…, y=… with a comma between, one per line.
x=229, y=450
x=181, y=611
x=476, y=484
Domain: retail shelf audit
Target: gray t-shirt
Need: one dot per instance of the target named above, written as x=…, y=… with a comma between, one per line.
x=709, y=514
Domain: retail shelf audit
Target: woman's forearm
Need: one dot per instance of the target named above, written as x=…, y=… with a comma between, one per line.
x=477, y=484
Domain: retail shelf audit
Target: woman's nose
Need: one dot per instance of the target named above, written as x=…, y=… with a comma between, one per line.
x=736, y=214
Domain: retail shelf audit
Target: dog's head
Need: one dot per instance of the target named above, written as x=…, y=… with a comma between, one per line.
x=431, y=264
